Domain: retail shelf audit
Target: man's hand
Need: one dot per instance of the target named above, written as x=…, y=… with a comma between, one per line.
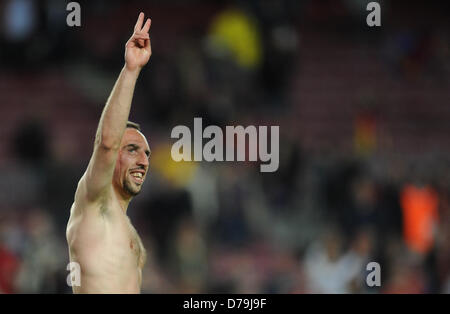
x=138, y=50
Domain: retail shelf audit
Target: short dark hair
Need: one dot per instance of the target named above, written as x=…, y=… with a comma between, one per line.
x=133, y=125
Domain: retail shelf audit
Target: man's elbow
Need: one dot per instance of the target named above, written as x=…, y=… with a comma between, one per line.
x=108, y=142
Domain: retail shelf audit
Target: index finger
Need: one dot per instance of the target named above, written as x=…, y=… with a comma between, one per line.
x=139, y=22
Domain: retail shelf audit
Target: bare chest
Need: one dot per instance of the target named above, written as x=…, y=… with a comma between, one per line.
x=135, y=243
x=128, y=240
x=112, y=240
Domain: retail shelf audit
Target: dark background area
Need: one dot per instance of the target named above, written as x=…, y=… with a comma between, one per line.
x=364, y=142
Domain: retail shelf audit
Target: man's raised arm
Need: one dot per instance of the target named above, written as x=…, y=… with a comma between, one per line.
x=112, y=125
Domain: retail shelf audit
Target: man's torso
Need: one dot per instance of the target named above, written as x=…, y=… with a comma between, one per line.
x=108, y=249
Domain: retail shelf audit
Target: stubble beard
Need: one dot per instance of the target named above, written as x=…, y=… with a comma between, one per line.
x=130, y=188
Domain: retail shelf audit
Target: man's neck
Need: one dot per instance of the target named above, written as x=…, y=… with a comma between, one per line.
x=124, y=204
x=123, y=198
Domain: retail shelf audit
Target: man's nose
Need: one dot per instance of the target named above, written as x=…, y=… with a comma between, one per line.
x=143, y=160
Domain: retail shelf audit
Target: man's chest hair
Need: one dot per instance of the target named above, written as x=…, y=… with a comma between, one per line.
x=136, y=244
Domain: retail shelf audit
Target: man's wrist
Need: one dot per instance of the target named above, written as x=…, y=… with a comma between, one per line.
x=132, y=71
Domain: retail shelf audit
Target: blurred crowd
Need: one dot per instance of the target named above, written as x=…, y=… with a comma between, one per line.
x=364, y=170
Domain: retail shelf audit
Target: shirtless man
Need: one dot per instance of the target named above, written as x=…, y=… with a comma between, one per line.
x=99, y=233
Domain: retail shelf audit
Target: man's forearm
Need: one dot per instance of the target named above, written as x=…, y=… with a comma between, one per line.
x=117, y=110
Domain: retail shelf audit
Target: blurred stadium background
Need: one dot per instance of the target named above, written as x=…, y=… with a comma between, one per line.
x=364, y=116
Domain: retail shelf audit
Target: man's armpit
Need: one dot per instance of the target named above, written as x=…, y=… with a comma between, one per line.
x=82, y=199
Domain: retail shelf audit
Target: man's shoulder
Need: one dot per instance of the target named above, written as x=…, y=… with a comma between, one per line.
x=102, y=207
x=82, y=199
x=84, y=215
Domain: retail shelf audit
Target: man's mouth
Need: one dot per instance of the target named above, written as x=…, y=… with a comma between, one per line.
x=138, y=176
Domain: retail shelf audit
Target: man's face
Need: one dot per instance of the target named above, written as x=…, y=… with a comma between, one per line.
x=132, y=162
